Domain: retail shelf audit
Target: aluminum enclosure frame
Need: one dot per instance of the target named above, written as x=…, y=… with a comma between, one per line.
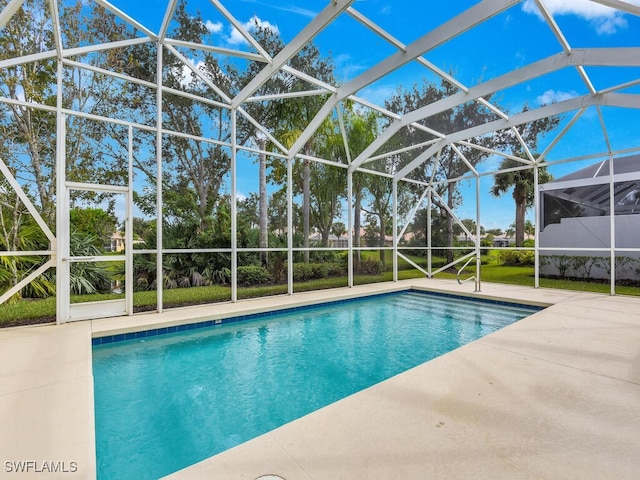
x=416, y=51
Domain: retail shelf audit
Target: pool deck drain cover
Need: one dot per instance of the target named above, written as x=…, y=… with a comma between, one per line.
x=269, y=477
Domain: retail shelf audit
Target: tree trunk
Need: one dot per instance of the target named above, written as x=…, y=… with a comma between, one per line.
x=325, y=236
x=449, y=223
x=356, y=232
x=263, y=205
x=520, y=198
x=382, y=238
x=306, y=205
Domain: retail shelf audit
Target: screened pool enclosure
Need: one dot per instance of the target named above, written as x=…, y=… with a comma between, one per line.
x=154, y=146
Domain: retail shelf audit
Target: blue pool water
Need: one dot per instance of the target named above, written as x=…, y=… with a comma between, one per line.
x=168, y=401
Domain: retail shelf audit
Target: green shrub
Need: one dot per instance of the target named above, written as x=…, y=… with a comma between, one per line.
x=319, y=270
x=562, y=262
x=371, y=266
x=302, y=272
x=514, y=258
x=335, y=269
x=253, y=275
x=582, y=266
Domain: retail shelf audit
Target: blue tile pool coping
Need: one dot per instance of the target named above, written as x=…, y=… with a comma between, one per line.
x=119, y=337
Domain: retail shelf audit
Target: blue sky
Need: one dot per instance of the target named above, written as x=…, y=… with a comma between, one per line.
x=512, y=39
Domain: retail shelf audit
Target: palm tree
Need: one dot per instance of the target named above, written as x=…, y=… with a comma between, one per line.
x=522, y=182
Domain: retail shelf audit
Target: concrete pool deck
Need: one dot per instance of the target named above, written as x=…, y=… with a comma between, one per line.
x=554, y=396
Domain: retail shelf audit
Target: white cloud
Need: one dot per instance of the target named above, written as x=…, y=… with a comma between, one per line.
x=552, y=96
x=20, y=93
x=305, y=12
x=346, y=67
x=377, y=94
x=236, y=38
x=213, y=27
x=606, y=20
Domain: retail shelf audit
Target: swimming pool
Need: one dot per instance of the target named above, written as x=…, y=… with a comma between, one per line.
x=168, y=401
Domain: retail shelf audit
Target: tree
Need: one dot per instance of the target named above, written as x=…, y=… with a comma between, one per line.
x=339, y=229
x=470, y=225
x=522, y=182
x=529, y=228
x=379, y=204
x=286, y=119
x=263, y=204
x=327, y=185
x=379, y=188
x=28, y=134
x=19, y=232
x=362, y=129
x=93, y=222
x=449, y=165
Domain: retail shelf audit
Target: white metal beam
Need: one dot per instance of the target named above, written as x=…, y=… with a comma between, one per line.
x=280, y=96
x=119, y=13
x=622, y=100
x=560, y=135
x=448, y=30
x=308, y=78
x=35, y=57
x=72, y=52
x=319, y=23
x=185, y=61
x=26, y=201
x=213, y=49
x=9, y=10
x=108, y=73
x=546, y=14
x=26, y=281
x=466, y=20
x=55, y=27
x=577, y=57
x=164, y=27
x=265, y=132
x=518, y=119
x=238, y=26
x=619, y=5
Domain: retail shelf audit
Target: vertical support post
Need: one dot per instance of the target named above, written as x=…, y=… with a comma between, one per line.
x=62, y=251
x=234, y=207
x=428, y=232
x=478, y=233
x=159, y=202
x=612, y=224
x=395, y=229
x=290, y=226
x=536, y=233
x=128, y=231
x=350, y=231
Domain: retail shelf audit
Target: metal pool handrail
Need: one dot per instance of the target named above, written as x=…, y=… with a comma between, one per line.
x=472, y=277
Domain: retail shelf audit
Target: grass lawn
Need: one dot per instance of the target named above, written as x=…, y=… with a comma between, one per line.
x=42, y=311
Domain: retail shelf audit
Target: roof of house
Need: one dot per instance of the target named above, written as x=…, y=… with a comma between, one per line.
x=580, y=188
x=601, y=169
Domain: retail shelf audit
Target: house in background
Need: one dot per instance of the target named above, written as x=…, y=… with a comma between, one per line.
x=117, y=242
x=576, y=213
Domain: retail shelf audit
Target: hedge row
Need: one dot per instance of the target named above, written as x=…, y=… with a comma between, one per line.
x=256, y=275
